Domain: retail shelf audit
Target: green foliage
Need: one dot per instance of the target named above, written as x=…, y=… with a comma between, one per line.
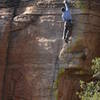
x=91, y=90
x=96, y=65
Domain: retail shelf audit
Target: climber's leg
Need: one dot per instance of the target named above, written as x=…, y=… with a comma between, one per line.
x=69, y=33
x=65, y=30
x=67, y=38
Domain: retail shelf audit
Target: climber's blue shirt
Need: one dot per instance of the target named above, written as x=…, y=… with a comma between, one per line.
x=66, y=15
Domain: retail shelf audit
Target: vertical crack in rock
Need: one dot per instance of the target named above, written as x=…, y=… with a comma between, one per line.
x=15, y=5
x=35, y=43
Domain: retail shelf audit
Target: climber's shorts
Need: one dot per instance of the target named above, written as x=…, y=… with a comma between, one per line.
x=68, y=24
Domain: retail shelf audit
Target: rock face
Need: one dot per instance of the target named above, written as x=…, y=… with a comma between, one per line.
x=84, y=47
x=30, y=43
x=69, y=82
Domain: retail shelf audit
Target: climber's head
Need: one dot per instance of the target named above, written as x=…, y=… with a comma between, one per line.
x=63, y=9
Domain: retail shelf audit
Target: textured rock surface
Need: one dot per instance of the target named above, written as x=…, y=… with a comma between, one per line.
x=29, y=49
x=84, y=46
x=30, y=45
x=69, y=83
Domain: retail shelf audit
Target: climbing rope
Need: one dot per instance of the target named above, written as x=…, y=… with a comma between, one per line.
x=15, y=7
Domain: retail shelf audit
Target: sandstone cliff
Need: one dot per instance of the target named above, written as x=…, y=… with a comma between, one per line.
x=84, y=47
x=30, y=43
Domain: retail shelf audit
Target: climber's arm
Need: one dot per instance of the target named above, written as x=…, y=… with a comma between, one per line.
x=68, y=10
x=63, y=18
x=66, y=7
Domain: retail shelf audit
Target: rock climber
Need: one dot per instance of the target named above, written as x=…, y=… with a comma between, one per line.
x=67, y=18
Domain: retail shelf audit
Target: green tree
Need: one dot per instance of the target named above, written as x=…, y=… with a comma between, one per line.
x=91, y=90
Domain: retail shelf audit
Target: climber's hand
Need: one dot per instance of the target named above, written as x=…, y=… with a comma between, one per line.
x=64, y=1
